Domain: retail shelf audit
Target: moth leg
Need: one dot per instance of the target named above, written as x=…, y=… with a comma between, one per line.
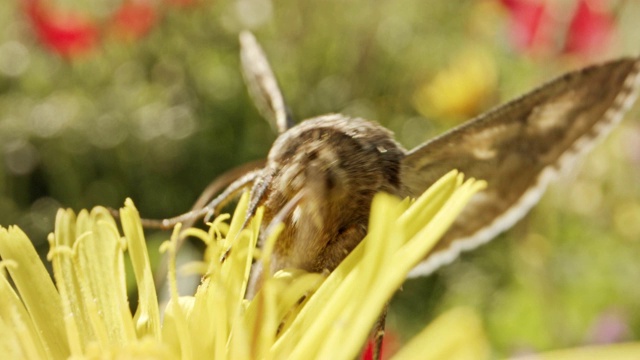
x=234, y=180
x=214, y=206
x=262, y=84
x=378, y=333
x=226, y=180
x=189, y=218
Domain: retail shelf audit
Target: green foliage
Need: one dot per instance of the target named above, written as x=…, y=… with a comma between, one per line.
x=158, y=117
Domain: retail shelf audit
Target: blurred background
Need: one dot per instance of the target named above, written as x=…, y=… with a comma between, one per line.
x=106, y=99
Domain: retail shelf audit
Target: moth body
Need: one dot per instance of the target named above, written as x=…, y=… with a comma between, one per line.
x=338, y=163
x=321, y=175
x=518, y=148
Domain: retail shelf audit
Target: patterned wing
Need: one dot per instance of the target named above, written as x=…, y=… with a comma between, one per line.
x=518, y=148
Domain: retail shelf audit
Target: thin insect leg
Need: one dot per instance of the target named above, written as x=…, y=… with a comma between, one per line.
x=378, y=333
x=228, y=180
x=211, y=208
x=190, y=216
x=229, y=193
x=257, y=193
x=223, y=181
x=214, y=206
x=159, y=223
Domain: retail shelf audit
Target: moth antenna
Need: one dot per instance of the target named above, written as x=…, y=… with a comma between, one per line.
x=262, y=84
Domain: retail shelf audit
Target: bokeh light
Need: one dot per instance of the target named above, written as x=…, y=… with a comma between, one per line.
x=107, y=99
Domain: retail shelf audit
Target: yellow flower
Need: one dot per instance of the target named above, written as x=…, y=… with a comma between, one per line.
x=462, y=90
x=296, y=315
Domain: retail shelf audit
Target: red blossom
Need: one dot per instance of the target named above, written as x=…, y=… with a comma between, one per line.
x=68, y=34
x=534, y=23
x=591, y=28
x=182, y=3
x=72, y=34
x=390, y=345
x=134, y=20
x=527, y=19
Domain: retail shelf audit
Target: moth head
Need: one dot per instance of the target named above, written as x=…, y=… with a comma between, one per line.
x=337, y=155
x=338, y=163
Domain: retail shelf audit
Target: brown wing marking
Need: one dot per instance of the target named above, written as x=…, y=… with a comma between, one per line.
x=518, y=148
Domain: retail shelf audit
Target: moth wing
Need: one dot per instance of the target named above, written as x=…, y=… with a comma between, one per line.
x=518, y=148
x=262, y=84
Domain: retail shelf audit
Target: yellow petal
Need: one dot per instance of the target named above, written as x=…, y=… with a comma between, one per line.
x=101, y=264
x=628, y=351
x=18, y=335
x=173, y=307
x=147, y=317
x=334, y=322
x=455, y=335
x=37, y=291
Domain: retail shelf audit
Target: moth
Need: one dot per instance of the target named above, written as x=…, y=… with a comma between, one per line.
x=320, y=175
